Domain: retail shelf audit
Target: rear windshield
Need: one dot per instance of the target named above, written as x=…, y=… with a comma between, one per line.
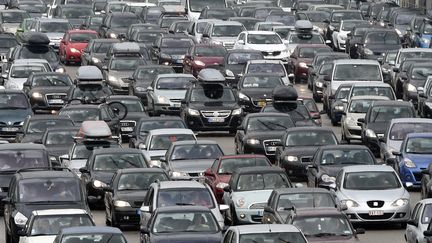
x=11, y=160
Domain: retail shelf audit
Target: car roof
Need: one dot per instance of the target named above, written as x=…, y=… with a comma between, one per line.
x=11, y=91
x=235, y=156
x=175, y=75
x=369, y=97
x=22, y=146
x=106, y=40
x=312, y=46
x=46, y=174
x=221, y=23
x=259, y=32
x=169, y=131
x=75, y=5
x=361, y=168
x=30, y=60
x=410, y=120
x=370, y=84
x=180, y=184
x=90, y=229
x=49, y=73
x=258, y=169
x=262, y=75
x=242, y=51
x=46, y=212
x=391, y=103
x=81, y=31
x=355, y=61
x=415, y=50
x=190, y=142
x=265, y=228
x=116, y=150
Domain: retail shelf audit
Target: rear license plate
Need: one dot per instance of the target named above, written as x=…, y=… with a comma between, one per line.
x=376, y=213
x=261, y=103
x=126, y=129
x=271, y=148
x=55, y=101
x=216, y=119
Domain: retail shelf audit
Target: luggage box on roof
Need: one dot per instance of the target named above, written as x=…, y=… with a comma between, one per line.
x=89, y=73
x=94, y=129
x=125, y=48
x=284, y=93
x=35, y=38
x=210, y=75
x=304, y=26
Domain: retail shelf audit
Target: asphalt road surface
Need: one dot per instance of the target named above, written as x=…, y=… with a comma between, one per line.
x=374, y=233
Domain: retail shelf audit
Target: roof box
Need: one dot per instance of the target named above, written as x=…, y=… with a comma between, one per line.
x=283, y=93
x=304, y=26
x=210, y=75
x=86, y=74
x=125, y=48
x=94, y=130
x=35, y=39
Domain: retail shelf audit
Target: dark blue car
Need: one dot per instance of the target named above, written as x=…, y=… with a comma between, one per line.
x=423, y=36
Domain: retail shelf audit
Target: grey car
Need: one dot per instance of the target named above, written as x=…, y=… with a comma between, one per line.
x=53, y=28
x=419, y=221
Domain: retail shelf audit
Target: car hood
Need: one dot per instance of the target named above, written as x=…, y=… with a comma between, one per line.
x=28, y=208
x=13, y=116
x=104, y=176
x=39, y=239
x=51, y=89
x=382, y=48
x=224, y=39
x=213, y=106
x=187, y=238
x=331, y=170
x=332, y=239
x=210, y=60
x=174, y=51
x=191, y=166
x=31, y=138
x=268, y=48
x=368, y=195
x=421, y=160
x=300, y=151
x=121, y=74
x=57, y=150
x=171, y=94
x=262, y=135
x=154, y=154
x=78, y=46
x=259, y=93
x=378, y=127
x=252, y=197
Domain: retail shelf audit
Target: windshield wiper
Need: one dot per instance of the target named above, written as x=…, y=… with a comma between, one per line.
x=266, y=125
x=322, y=234
x=276, y=124
x=129, y=162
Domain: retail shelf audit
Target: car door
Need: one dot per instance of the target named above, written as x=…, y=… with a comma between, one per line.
x=410, y=229
x=241, y=132
x=8, y=208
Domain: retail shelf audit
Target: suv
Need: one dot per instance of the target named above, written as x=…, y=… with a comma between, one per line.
x=37, y=189
x=169, y=49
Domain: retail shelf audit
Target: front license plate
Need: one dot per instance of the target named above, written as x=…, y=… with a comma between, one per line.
x=126, y=129
x=376, y=213
x=216, y=119
x=271, y=148
x=175, y=104
x=261, y=103
x=10, y=129
x=55, y=101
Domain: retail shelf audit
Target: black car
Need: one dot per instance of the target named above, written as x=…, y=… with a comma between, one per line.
x=256, y=90
x=47, y=91
x=59, y=140
x=353, y=39
x=134, y=28
x=126, y=192
x=146, y=36
x=36, y=189
x=181, y=223
x=116, y=24
x=142, y=78
x=334, y=22
x=336, y=106
x=424, y=97
x=92, y=23
x=377, y=41
x=416, y=77
x=235, y=61
x=7, y=40
x=317, y=78
x=261, y=133
x=103, y=163
x=209, y=105
x=169, y=49
x=14, y=108
x=298, y=147
x=378, y=118
x=400, y=74
x=167, y=19
x=328, y=160
x=144, y=125
x=35, y=126
x=74, y=13
x=96, y=51
x=387, y=63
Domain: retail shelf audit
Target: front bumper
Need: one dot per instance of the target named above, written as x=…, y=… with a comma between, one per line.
x=73, y=57
x=127, y=215
x=297, y=169
x=249, y=216
x=200, y=123
x=412, y=175
x=167, y=109
x=352, y=132
x=385, y=214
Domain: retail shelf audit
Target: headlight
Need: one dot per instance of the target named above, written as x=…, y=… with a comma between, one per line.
x=74, y=50
x=121, y=204
x=162, y=99
x=370, y=133
x=178, y=174
x=291, y=158
x=98, y=184
x=60, y=70
x=20, y=219
x=349, y=203
x=303, y=65
x=229, y=73
x=193, y=112
x=37, y=95
x=400, y=202
x=252, y=141
x=95, y=60
x=141, y=89
x=112, y=78
x=243, y=97
x=408, y=163
x=319, y=84
x=368, y=51
x=221, y=185
x=339, y=107
x=155, y=163
x=326, y=178
x=199, y=63
x=411, y=88
x=426, y=41
x=398, y=32
x=237, y=112
x=112, y=35
x=240, y=202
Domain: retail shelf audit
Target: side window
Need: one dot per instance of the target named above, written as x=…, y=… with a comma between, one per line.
x=234, y=238
x=241, y=36
x=228, y=236
x=415, y=210
x=417, y=214
x=149, y=197
x=339, y=180
x=215, y=165
x=104, y=113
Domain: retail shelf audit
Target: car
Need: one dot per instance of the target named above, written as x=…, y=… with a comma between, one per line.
x=45, y=224
x=58, y=141
x=356, y=109
x=96, y=51
x=90, y=87
x=74, y=12
x=270, y=232
x=247, y=22
x=53, y=28
x=47, y=91
x=419, y=221
x=34, y=127
x=189, y=159
x=321, y=224
x=162, y=194
x=7, y=41
x=353, y=38
x=303, y=34
x=73, y=43
x=263, y=12
x=234, y=63
x=282, y=17
x=371, y=88
x=151, y=14
x=19, y=73
x=377, y=119
x=146, y=37
x=360, y=188
x=262, y=66
x=255, y=90
x=116, y=23
x=23, y=27
x=335, y=20
x=166, y=91
x=169, y=49
x=219, y=174
x=416, y=77
x=222, y=33
x=283, y=200
x=167, y=18
x=376, y=41
x=248, y=191
x=196, y=28
x=102, y=165
x=126, y=192
x=10, y=19
x=261, y=133
x=298, y=146
x=179, y=26
x=421, y=33
x=90, y=233
x=340, y=35
x=312, y=107
x=40, y=188
x=329, y=160
x=386, y=64
x=410, y=53
x=200, y=56
x=401, y=74
x=11, y=121
x=217, y=13
x=181, y=223
x=334, y=105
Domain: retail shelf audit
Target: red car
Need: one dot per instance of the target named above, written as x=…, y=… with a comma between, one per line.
x=218, y=176
x=203, y=56
x=302, y=56
x=73, y=44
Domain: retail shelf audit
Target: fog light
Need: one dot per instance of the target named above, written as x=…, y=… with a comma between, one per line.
x=242, y=216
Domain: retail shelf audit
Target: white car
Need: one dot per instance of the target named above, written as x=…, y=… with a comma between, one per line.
x=418, y=223
x=44, y=225
x=268, y=42
x=340, y=35
x=18, y=74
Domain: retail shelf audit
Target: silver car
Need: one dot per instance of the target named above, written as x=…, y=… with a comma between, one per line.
x=373, y=193
x=18, y=74
x=419, y=221
x=356, y=109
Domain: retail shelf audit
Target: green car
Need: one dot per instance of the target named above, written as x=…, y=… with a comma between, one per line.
x=23, y=27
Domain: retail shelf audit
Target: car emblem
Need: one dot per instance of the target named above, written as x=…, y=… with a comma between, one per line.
x=9, y=123
x=265, y=95
x=216, y=114
x=375, y=204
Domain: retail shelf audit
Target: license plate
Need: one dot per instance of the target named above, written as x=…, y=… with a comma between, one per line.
x=10, y=129
x=216, y=119
x=271, y=148
x=175, y=104
x=261, y=103
x=126, y=129
x=376, y=213
x=55, y=101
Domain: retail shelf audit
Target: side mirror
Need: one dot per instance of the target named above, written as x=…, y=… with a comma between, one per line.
x=298, y=185
x=427, y=233
x=359, y=231
x=145, y=209
x=328, y=42
x=240, y=42
x=208, y=172
x=4, y=75
x=391, y=161
x=83, y=170
x=205, y=36
x=361, y=120
x=223, y=207
x=291, y=77
x=149, y=88
x=380, y=60
x=108, y=189
x=268, y=209
x=6, y=200
x=227, y=189
x=326, y=21
x=396, y=153
x=104, y=67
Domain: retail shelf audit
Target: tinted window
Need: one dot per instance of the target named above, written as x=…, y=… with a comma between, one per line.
x=358, y=72
x=210, y=51
x=51, y=80
x=305, y=200
x=261, y=82
x=269, y=123
x=100, y=238
x=40, y=126
x=386, y=113
x=252, y=182
x=185, y=222
x=82, y=37
x=400, y=130
x=264, y=39
x=195, y=152
x=150, y=125
x=242, y=58
x=80, y=115
x=193, y=196
x=390, y=38
x=50, y=27
x=174, y=83
x=116, y=161
x=273, y=237
x=139, y=181
x=310, y=138
x=212, y=95
x=348, y=156
x=13, y=101
x=59, y=138
x=333, y=225
x=52, y=189
x=359, y=106
x=52, y=224
x=266, y=68
x=163, y=142
x=375, y=91
x=371, y=180
x=25, y=71
x=76, y=13
x=228, y=166
x=227, y=30
x=18, y=159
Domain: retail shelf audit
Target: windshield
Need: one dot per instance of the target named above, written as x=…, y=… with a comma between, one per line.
x=40, y=126
x=52, y=224
x=318, y=16
x=371, y=180
x=13, y=17
x=198, y=5
x=51, y=80
x=358, y=72
x=174, y=83
x=266, y=68
x=310, y=138
x=343, y=93
x=163, y=142
x=82, y=37
x=359, y=106
x=42, y=53
x=8, y=42
x=99, y=238
x=311, y=52
x=124, y=21
x=218, y=94
x=338, y=16
x=146, y=126
x=167, y=22
x=261, y=82
x=126, y=64
x=176, y=43
x=59, y=138
x=49, y=190
x=220, y=14
x=227, y=30
x=13, y=101
x=349, y=26
x=214, y=51
x=76, y=13
x=305, y=200
x=384, y=37
x=419, y=145
x=33, y=8
x=346, y=156
x=139, y=181
x=414, y=54
x=196, y=152
x=101, y=47
x=386, y=113
x=148, y=74
x=51, y=27
x=147, y=37
x=269, y=123
x=261, y=181
x=189, y=196
x=243, y=58
x=305, y=39
x=25, y=71
x=326, y=69
x=263, y=39
x=285, y=19
x=96, y=21
x=116, y=161
x=80, y=115
x=133, y=105
x=374, y=91
x=201, y=222
x=282, y=237
x=399, y=130
x=404, y=19
x=11, y=160
x=228, y=166
x=83, y=151
x=421, y=72
x=328, y=225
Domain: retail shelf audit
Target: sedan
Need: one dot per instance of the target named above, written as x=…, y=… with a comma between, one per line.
x=73, y=44
x=201, y=56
